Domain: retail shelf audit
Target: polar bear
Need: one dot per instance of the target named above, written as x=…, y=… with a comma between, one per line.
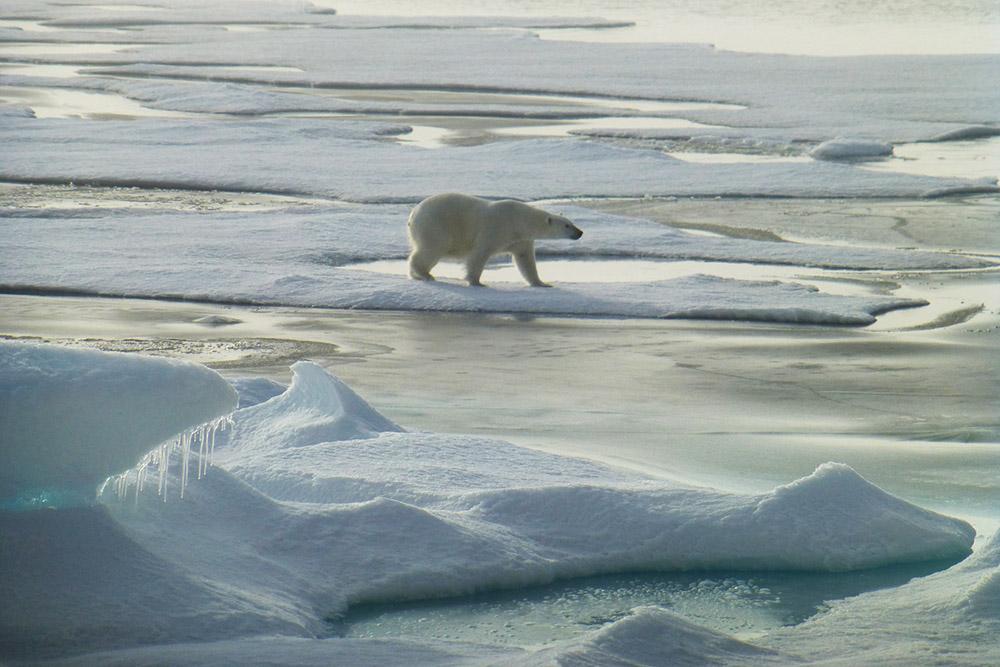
x=460, y=226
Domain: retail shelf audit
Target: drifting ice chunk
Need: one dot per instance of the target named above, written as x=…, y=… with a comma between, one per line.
x=70, y=418
x=851, y=149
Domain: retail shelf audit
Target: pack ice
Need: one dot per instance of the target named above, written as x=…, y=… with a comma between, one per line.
x=317, y=502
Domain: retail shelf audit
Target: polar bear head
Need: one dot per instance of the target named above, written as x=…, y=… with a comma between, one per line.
x=557, y=227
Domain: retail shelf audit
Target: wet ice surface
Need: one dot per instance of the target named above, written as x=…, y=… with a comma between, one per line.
x=732, y=603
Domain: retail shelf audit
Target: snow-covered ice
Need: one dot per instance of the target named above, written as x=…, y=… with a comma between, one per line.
x=318, y=502
x=349, y=161
x=71, y=418
x=301, y=257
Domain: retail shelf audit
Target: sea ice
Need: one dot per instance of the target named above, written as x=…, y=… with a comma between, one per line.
x=299, y=257
x=71, y=418
x=947, y=618
x=352, y=161
x=319, y=503
x=813, y=98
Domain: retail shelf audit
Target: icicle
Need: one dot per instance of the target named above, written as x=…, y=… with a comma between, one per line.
x=211, y=446
x=160, y=457
x=185, y=459
x=202, y=449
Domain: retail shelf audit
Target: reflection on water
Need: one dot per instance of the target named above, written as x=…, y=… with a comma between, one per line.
x=66, y=103
x=736, y=158
x=564, y=128
x=738, y=603
x=38, y=69
x=51, y=48
x=27, y=26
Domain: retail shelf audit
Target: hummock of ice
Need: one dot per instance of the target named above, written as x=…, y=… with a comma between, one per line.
x=71, y=418
x=851, y=149
x=654, y=636
x=318, y=502
x=950, y=617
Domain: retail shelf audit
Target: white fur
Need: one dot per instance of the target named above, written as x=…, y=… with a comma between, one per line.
x=472, y=229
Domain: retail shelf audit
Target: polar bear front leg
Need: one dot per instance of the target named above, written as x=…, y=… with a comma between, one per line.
x=524, y=258
x=474, y=265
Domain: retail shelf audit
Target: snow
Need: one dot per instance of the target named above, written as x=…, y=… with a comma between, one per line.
x=851, y=149
x=655, y=636
x=71, y=418
x=256, y=390
x=318, y=503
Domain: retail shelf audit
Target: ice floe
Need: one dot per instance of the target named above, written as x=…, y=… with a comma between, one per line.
x=302, y=257
x=318, y=503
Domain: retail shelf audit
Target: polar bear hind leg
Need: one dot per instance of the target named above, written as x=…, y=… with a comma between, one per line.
x=421, y=263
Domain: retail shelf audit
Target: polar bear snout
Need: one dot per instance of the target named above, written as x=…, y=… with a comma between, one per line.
x=571, y=231
x=564, y=228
